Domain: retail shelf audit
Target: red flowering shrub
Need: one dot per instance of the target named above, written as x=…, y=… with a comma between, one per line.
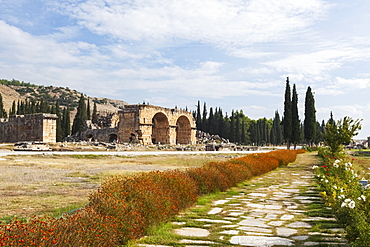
x=124, y=207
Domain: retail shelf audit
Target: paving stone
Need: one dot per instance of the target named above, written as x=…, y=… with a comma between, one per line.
x=291, y=190
x=253, y=222
x=285, y=232
x=274, y=206
x=311, y=243
x=257, y=194
x=287, y=217
x=230, y=232
x=215, y=211
x=254, y=229
x=188, y=241
x=260, y=241
x=192, y=232
x=271, y=216
x=299, y=224
x=229, y=226
x=214, y=221
x=276, y=223
x=300, y=238
x=220, y=202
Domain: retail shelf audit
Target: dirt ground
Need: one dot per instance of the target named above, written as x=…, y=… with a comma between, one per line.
x=51, y=184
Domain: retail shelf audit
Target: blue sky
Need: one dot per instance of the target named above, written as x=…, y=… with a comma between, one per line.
x=233, y=54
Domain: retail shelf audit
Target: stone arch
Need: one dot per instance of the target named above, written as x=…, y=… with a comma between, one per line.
x=160, y=129
x=113, y=137
x=183, y=130
x=90, y=137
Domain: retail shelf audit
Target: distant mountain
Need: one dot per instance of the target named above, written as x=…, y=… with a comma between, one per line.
x=16, y=90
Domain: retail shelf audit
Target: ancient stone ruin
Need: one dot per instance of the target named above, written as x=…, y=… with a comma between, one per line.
x=30, y=127
x=147, y=124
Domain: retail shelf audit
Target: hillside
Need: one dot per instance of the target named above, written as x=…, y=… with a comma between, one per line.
x=15, y=90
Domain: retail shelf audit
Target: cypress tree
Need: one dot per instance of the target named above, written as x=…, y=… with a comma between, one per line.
x=211, y=122
x=88, y=110
x=13, y=110
x=94, y=117
x=198, y=118
x=3, y=113
x=204, y=118
x=310, y=124
x=296, y=133
x=60, y=131
x=79, y=122
x=66, y=121
x=287, y=120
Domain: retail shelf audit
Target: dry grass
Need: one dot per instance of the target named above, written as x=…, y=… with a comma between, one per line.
x=37, y=184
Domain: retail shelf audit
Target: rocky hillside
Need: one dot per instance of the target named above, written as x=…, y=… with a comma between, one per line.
x=15, y=90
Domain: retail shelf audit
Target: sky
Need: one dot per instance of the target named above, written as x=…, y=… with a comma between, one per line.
x=232, y=54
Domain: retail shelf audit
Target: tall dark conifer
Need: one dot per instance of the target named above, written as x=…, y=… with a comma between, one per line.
x=66, y=121
x=310, y=124
x=287, y=119
x=3, y=113
x=204, y=118
x=94, y=117
x=79, y=122
x=296, y=125
x=88, y=110
x=198, y=118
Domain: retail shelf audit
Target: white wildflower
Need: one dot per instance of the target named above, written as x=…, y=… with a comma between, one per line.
x=335, y=187
x=314, y=167
x=341, y=197
x=362, y=198
x=326, y=181
x=351, y=204
x=335, y=165
x=337, y=161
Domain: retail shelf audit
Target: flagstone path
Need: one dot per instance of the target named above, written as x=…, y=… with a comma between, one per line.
x=280, y=208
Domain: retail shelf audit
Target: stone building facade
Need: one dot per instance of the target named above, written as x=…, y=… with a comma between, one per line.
x=148, y=124
x=31, y=127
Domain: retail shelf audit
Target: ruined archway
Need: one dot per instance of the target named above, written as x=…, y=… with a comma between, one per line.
x=113, y=138
x=183, y=130
x=160, y=129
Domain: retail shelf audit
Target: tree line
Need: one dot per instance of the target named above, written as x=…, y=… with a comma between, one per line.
x=239, y=128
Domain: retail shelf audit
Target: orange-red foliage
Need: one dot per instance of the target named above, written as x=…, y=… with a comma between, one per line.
x=124, y=207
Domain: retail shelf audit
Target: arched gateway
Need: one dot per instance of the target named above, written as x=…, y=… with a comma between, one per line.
x=149, y=124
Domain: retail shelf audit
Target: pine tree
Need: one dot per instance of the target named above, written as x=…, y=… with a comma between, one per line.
x=79, y=122
x=310, y=124
x=211, y=122
x=275, y=134
x=287, y=119
x=296, y=133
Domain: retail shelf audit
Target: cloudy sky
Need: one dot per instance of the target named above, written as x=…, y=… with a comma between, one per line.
x=233, y=54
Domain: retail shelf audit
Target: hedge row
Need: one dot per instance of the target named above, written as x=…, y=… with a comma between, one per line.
x=124, y=206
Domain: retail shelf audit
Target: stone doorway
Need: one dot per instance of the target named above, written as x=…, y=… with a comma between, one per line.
x=160, y=129
x=113, y=138
x=183, y=130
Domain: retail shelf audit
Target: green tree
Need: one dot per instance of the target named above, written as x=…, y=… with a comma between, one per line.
x=67, y=121
x=287, y=119
x=13, y=110
x=296, y=125
x=310, y=124
x=3, y=113
x=60, y=131
x=88, y=110
x=198, y=117
x=94, y=117
x=276, y=137
x=341, y=132
x=79, y=122
x=204, y=118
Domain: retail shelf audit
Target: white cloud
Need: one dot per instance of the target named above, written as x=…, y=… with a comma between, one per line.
x=225, y=23
x=351, y=84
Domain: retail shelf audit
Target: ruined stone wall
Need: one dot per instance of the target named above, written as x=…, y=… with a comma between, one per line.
x=153, y=124
x=30, y=127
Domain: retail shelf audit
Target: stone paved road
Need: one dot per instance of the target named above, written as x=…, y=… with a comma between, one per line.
x=281, y=208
